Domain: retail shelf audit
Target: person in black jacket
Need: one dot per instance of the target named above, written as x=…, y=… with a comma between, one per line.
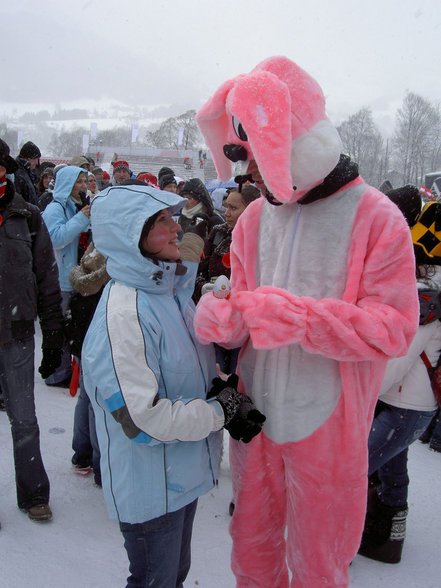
x=199, y=203
x=29, y=287
x=25, y=176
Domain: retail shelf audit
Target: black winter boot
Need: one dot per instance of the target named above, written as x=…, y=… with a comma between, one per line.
x=384, y=531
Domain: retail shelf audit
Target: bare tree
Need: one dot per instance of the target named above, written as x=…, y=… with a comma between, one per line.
x=416, y=145
x=362, y=141
x=191, y=135
x=121, y=136
x=169, y=133
x=166, y=137
x=67, y=143
x=9, y=136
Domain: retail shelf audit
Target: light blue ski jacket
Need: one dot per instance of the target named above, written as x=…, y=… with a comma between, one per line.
x=65, y=224
x=144, y=371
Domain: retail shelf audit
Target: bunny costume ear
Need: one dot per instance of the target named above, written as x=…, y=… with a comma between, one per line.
x=282, y=111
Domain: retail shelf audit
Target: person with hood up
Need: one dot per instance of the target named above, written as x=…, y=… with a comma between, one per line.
x=67, y=220
x=148, y=379
x=323, y=293
x=199, y=203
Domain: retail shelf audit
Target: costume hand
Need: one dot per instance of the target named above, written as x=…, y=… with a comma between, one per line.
x=51, y=360
x=217, y=321
x=275, y=317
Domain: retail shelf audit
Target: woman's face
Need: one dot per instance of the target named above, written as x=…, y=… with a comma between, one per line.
x=162, y=239
x=234, y=208
x=46, y=181
x=2, y=171
x=80, y=184
x=91, y=183
x=192, y=201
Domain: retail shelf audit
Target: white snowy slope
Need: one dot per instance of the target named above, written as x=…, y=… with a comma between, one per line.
x=82, y=548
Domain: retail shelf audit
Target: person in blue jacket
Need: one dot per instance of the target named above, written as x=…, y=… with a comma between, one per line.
x=148, y=378
x=67, y=220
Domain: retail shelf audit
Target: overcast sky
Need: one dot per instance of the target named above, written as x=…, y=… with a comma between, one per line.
x=363, y=53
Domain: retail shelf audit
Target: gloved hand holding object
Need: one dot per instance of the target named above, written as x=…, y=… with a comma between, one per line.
x=199, y=225
x=242, y=419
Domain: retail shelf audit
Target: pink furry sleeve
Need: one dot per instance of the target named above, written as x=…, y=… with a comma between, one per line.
x=378, y=315
x=217, y=320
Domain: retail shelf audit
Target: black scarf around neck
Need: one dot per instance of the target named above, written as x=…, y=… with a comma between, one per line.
x=344, y=172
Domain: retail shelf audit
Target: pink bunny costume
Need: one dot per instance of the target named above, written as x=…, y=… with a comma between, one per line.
x=323, y=294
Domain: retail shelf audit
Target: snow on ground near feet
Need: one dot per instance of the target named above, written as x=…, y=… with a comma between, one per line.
x=81, y=547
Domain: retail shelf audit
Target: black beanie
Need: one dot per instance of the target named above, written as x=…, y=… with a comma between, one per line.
x=165, y=171
x=165, y=180
x=29, y=151
x=409, y=201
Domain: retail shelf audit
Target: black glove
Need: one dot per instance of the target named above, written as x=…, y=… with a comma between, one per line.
x=51, y=360
x=85, y=199
x=52, y=347
x=218, y=385
x=199, y=225
x=247, y=422
x=242, y=419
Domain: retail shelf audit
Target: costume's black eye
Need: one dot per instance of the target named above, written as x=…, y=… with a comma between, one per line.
x=239, y=130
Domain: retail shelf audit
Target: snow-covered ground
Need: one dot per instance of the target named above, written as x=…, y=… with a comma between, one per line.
x=82, y=548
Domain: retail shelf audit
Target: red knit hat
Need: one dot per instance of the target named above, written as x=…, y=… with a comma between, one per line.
x=106, y=176
x=120, y=163
x=148, y=178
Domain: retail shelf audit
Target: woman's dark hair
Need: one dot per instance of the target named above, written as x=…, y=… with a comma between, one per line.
x=145, y=231
x=133, y=182
x=40, y=186
x=248, y=193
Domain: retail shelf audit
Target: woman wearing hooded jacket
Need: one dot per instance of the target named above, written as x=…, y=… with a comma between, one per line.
x=148, y=378
x=67, y=219
x=198, y=203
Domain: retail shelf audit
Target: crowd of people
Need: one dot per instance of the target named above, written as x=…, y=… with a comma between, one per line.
x=312, y=362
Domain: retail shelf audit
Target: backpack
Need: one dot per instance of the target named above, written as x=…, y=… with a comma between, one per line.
x=434, y=375
x=430, y=305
